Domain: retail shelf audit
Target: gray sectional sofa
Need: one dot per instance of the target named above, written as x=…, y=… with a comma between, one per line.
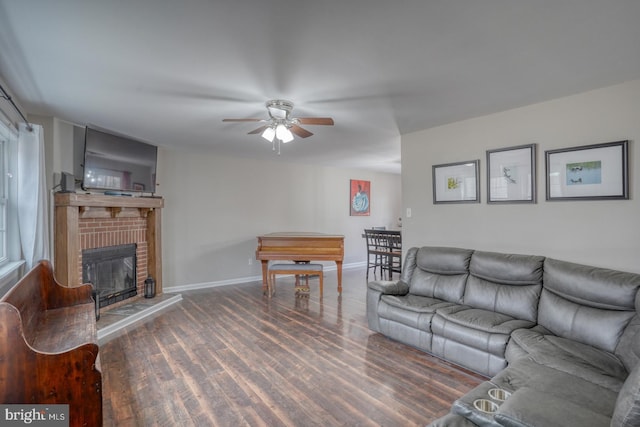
x=562, y=338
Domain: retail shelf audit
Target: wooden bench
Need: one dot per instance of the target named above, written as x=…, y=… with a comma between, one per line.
x=49, y=346
x=304, y=269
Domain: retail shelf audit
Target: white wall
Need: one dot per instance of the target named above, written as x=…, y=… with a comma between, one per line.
x=216, y=206
x=600, y=233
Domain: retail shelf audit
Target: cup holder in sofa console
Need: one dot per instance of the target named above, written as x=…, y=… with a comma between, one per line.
x=485, y=405
x=498, y=394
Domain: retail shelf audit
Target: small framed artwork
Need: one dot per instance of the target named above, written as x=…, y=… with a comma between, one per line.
x=456, y=182
x=511, y=175
x=359, y=197
x=588, y=172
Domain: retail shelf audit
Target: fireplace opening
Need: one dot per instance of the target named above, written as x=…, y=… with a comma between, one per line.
x=112, y=271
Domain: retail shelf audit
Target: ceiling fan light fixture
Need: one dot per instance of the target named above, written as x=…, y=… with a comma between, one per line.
x=269, y=133
x=280, y=127
x=283, y=133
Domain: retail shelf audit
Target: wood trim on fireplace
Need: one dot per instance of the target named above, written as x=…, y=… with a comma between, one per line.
x=71, y=207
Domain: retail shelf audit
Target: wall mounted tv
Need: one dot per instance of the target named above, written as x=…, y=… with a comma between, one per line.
x=118, y=163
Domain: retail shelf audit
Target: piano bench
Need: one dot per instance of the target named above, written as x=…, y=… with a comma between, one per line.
x=295, y=269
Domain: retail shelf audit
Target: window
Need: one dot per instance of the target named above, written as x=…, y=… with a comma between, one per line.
x=4, y=193
x=8, y=224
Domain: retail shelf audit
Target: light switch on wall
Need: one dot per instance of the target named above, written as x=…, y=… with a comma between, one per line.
x=408, y=212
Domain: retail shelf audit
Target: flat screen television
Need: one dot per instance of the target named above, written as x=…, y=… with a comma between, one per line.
x=118, y=163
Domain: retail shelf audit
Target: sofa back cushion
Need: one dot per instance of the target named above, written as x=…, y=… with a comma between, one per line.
x=440, y=273
x=506, y=283
x=587, y=304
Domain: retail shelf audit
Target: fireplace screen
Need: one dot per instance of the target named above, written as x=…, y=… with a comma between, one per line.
x=112, y=271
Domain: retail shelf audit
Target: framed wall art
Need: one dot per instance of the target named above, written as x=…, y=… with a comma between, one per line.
x=359, y=197
x=456, y=182
x=511, y=174
x=588, y=172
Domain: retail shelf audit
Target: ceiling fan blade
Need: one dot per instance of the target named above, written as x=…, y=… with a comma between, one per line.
x=242, y=120
x=302, y=133
x=315, y=120
x=259, y=130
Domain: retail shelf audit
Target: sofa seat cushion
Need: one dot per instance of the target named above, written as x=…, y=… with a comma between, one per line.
x=477, y=328
x=411, y=310
x=562, y=385
x=581, y=360
x=529, y=407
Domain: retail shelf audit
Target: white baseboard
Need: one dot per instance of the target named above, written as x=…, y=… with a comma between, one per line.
x=206, y=285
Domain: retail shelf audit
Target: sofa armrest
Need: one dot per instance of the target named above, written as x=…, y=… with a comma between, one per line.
x=389, y=287
x=375, y=290
x=527, y=407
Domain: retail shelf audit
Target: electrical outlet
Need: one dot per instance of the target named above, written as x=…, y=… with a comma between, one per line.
x=250, y=260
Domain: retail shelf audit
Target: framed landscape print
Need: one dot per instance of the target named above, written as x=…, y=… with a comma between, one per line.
x=589, y=172
x=511, y=175
x=456, y=182
x=359, y=197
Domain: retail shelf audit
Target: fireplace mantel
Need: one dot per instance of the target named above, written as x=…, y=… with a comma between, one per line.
x=71, y=208
x=102, y=201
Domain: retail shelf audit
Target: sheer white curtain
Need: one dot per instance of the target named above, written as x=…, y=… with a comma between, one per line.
x=32, y=195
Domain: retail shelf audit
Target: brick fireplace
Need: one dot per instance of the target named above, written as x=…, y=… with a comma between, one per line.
x=90, y=221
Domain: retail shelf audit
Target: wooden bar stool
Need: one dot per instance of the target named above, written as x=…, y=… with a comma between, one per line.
x=295, y=269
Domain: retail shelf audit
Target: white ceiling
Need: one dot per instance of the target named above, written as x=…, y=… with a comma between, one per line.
x=168, y=72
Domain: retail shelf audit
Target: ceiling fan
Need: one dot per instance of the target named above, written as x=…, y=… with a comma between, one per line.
x=280, y=126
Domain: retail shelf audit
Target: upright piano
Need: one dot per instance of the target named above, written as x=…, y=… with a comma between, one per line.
x=294, y=246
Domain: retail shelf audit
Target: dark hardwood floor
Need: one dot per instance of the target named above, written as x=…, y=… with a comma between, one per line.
x=229, y=356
